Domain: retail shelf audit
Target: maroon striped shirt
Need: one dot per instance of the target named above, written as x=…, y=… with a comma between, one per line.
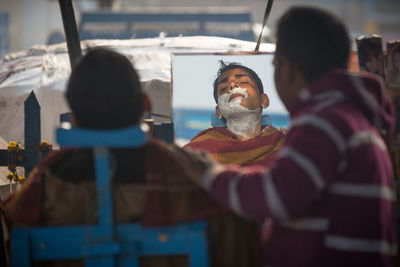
x=330, y=192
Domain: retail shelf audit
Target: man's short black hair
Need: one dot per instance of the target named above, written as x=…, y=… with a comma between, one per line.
x=314, y=40
x=234, y=65
x=104, y=91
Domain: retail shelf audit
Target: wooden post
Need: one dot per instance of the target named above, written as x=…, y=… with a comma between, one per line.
x=32, y=132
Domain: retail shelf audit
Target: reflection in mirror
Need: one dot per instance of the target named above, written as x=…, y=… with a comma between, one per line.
x=192, y=89
x=393, y=65
x=370, y=54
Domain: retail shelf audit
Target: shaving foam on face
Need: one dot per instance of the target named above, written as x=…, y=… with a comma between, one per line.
x=240, y=120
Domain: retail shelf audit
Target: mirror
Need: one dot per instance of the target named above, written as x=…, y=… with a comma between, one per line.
x=192, y=90
x=393, y=65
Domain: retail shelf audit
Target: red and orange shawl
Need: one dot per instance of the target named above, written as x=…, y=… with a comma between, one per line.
x=226, y=148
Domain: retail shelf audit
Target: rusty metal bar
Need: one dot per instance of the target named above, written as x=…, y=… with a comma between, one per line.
x=71, y=31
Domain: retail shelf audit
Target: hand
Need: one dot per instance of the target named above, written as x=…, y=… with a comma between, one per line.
x=193, y=162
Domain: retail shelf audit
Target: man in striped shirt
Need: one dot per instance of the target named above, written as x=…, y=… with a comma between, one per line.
x=330, y=191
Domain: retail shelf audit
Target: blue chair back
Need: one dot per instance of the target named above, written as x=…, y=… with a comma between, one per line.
x=107, y=244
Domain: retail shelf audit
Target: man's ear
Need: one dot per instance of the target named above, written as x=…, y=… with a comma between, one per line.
x=288, y=70
x=289, y=73
x=294, y=76
x=73, y=119
x=219, y=114
x=264, y=101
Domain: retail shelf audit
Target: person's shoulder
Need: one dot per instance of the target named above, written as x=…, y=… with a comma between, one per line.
x=154, y=143
x=208, y=132
x=335, y=123
x=54, y=158
x=159, y=148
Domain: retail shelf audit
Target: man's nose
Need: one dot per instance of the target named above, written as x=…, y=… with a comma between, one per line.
x=233, y=84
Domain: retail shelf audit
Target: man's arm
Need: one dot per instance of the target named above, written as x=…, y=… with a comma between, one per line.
x=307, y=163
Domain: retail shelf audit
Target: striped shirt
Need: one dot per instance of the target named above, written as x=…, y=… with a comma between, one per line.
x=330, y=191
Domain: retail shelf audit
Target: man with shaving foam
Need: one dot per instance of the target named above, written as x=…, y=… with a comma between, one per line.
x=244, y=136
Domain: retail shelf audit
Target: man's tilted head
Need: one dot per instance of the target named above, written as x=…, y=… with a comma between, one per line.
x=104, y=91
x=233, y=65
x=239, y=88
x=240, y=98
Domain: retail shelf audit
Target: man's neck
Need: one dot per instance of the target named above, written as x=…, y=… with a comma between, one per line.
x=245, y=126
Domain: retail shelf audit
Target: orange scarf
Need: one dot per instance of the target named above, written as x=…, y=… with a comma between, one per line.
x=226, y=148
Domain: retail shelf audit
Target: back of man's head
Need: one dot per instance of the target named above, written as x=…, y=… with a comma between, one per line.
x=314, y=40
x=104, y=91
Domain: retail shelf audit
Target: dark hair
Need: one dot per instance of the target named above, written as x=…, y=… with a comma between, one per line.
x=314, y=40
x=234, y=65
x=104, y=91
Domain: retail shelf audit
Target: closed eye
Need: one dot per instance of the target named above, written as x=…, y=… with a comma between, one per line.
x=222, y=89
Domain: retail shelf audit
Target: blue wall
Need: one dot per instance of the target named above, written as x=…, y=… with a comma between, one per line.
x=4, y=34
